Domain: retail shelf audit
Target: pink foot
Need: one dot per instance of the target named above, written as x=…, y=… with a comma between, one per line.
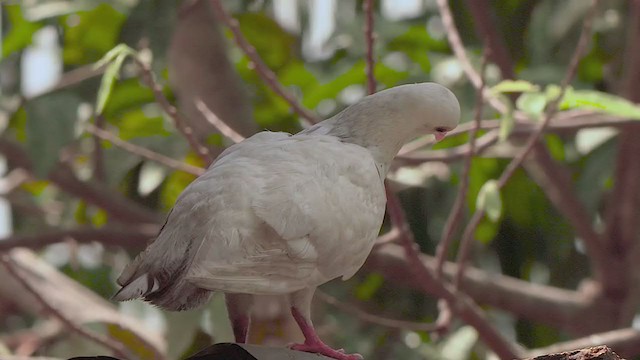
x=321, y=348
x=312, y=342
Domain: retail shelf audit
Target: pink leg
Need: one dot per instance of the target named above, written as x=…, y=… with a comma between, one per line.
x=312, y=342
x=240, y=326
x=239, y=309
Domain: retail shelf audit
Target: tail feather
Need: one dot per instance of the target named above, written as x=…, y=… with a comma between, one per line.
x=137, y=288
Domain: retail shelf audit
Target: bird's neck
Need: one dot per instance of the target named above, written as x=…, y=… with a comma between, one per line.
x=374, y=128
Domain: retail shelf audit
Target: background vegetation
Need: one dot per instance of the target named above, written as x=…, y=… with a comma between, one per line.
x=537, y=191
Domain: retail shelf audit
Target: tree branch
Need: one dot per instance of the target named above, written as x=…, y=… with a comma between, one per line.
x=179, y=122
x=143, y=152
x=132, y=238
x=539, y=303
x=267, y=75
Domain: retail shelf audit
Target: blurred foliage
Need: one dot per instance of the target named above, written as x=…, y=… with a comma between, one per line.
x=524, y=237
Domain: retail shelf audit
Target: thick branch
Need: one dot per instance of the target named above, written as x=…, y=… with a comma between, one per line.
x=543, y=304
x=625, y=342
x=133, y=238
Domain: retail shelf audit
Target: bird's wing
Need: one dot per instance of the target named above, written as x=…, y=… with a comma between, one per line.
x=311, y=212
x=167, y=258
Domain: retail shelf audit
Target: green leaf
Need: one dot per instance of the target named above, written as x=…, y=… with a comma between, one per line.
x=50, y=126
x=20, y=31
x=113, y=54
x=507, y=120
x=108, y=79
x=489, y=200
x=601, y=102
x=511, y=86
x=532, y=103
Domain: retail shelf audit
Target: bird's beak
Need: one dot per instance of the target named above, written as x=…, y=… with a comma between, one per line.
x=440, y=135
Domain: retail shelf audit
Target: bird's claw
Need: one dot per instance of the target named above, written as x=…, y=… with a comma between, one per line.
x=323, y=349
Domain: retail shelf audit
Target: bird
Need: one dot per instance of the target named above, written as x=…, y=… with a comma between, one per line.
x=281, y=214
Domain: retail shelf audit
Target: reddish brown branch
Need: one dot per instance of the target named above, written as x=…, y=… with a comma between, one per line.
x=369, y=37
x=539, y=303
x=261, y=68
x=117, y=348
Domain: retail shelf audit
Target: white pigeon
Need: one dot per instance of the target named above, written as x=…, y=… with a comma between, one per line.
x=281, y=214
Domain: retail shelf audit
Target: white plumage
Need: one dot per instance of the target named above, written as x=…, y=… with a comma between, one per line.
x=283, y=214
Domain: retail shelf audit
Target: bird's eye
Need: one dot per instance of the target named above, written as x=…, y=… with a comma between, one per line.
x=441, y=129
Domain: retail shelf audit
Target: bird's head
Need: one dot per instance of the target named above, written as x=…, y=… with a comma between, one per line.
x=424, y=108
x=386, y=120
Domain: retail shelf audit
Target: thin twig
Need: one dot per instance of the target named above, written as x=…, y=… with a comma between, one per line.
x=99, y=173
x=180, y=124
x=458, y=49
x=261, y=68
x=214, y=120
x=117, y=348
x=371, y=318
x=369, y=40
x=455, y=215
x=552, y=108
x=566, y=121
x=143, y=152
